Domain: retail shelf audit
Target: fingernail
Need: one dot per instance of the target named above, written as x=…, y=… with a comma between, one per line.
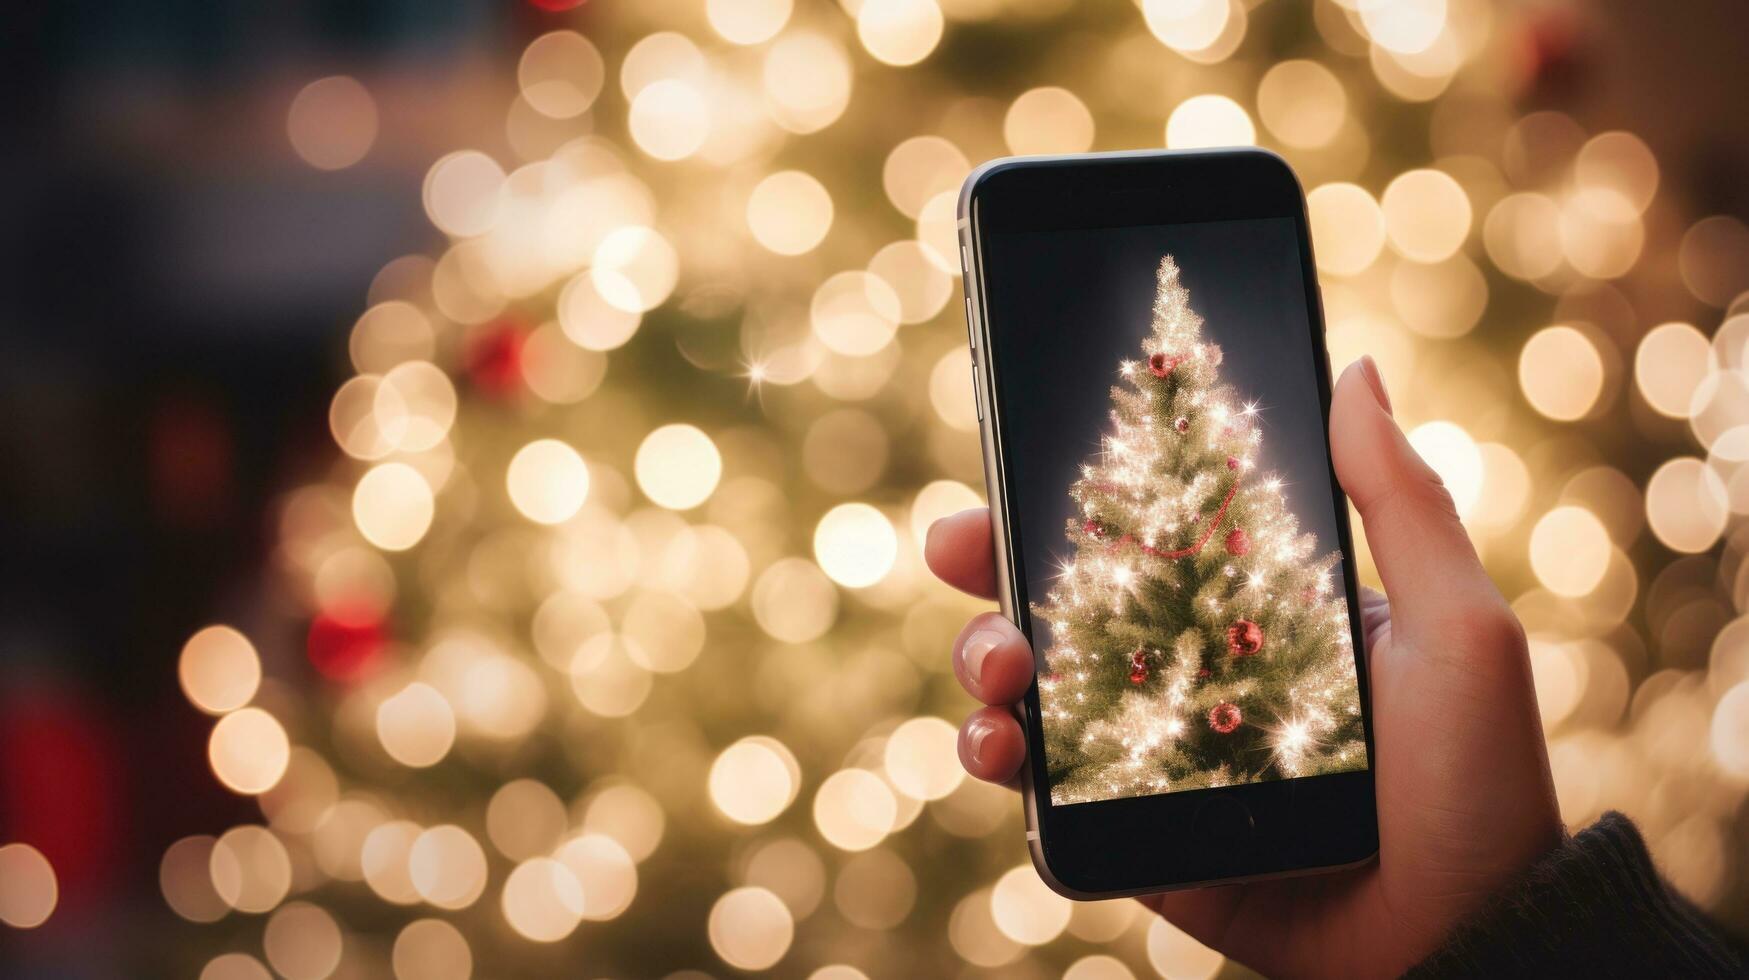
x=978, y=646
x=1370, y=369
x=976, y=733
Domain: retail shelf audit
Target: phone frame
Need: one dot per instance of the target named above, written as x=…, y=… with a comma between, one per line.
x=1191, y=838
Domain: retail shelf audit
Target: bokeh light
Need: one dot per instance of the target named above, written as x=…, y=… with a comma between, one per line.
x=28, y=890
x=789, y=212
x=1561, y=373
x=1453, y=455
x=1026, y=910
x=899, y=32
x=560, y=74
x=1669, y=365
x=1209, y=120
x=1569, y=550
x=854, y=809
x=416, y=725
x=548, y=481
x=1047, y=120
x=219, y=669
x=1302, y=103
x=1348, y=228
x=251, y=870
x=856, y=545
x=431, y=949
x=302, y=941
x=447, y=866
x=542, y=900
x=1427, y=215
x=332, y=122
x=750, y=928
x=248, y=750
x=393, y=506
x=754, y=780
x=678, y=466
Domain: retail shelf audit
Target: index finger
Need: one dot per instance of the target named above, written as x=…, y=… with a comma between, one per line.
x=959, y=550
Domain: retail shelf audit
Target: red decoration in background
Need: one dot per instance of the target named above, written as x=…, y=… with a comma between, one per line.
x=1232, y=462
x=555, y=6
x=61, y=779
x=1244, y=638
x=1181, y=424
x=1138, y=667
x=1091, y=526
x=492, y=357
x=1225, y=717
x=345, y=646
x=1238, y=542
x=1161, y=365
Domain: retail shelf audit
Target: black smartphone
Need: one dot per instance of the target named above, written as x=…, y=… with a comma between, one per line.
x=1154, y=396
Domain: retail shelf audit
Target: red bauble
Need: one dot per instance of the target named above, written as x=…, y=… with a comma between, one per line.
x=1138, y=667
x=1160, y=365
x=1232, y=462
x=1181, y=424
x=1238, y=542
x=492, y=357
x=1205, y=672
x=1225, y=717
x=345, y=646
x=1091, y=527
x=1244, y=638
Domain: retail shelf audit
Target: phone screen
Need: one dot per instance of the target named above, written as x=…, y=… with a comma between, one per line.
x=1171, y=509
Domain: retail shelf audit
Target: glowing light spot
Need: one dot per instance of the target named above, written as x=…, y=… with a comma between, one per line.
x=747, y=21
x=919, y=169
x=1048, y=120
x=754, y=780
x=448, y=867
x=854, y=810
x=807, y=81
x=464, y=192
x=1176, y=956
x=678, y=466
x=1671, y=362
x=856, y=545
x=1561, y=373
x=1348, y=228
x=1209, y=120
x=548, y=481
x=669, y=119
x=1302, y=103
x=855, y=313
x=1427, y=215
x=250, y=869
x=302, y=942
x=1026, y=910
x=1569, y=551
x=750, y=928
x=28, y=891
x=332, y=122
x=899, y=32
x=542, y=900
x=1687, y=505
x=219, y=670
x=789, y=212
x=560, y=74
x=393, y=506
x=431, y=949
x=635, y=269
x=234, y=966
x=606, y=869
x=248, y=751
x=1403, y=26
x=416, y=726
x=793, y=601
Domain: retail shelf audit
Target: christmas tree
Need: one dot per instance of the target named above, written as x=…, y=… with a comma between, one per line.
x=1195, y=640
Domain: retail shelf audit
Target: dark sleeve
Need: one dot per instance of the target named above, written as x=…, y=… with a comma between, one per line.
x=1594, y=907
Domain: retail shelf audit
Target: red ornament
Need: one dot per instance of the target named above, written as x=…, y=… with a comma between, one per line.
x=1238, y=542
x=1232, y=462
x=492, y=358
x=1091, y=527
x=1161, y=365
x=1138, y=667
x=1181, y=424
x=345, y=647
x=1225, y=717
x=1244, y=638
x=1205, y=672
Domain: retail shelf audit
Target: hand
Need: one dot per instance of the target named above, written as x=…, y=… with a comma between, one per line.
x=1465, y=799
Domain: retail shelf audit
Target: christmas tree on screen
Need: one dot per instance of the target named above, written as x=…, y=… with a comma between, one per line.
x=1196, y=639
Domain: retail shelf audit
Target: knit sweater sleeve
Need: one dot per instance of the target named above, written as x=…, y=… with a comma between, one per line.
x=1593, y=907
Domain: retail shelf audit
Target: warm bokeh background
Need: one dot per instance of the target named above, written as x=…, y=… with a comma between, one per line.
x=464, y=462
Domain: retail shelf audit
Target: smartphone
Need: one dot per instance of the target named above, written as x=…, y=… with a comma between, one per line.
x=1154, y=396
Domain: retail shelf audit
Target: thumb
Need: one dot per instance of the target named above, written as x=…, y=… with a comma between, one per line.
x=1429, y=567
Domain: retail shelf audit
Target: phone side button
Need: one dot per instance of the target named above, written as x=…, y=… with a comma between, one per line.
x=977, y=393
x=971, y=330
